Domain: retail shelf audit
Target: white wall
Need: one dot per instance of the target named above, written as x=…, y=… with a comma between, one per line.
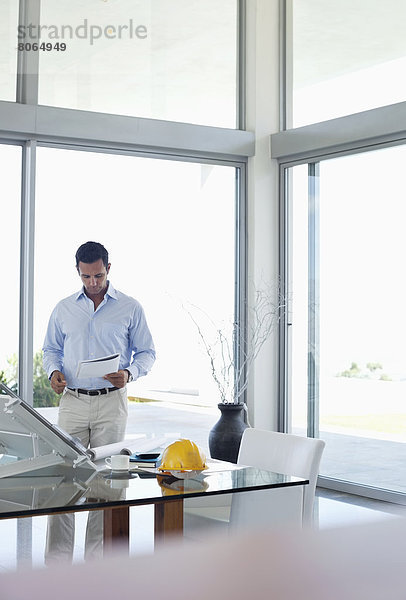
x=262, y=117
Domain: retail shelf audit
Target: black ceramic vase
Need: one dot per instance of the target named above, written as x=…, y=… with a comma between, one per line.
x=225, y=436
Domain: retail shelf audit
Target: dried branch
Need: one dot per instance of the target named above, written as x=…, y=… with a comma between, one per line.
x=231, y=348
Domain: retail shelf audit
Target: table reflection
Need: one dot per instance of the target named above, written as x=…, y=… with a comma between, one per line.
x=76, y=489
x=172, y=486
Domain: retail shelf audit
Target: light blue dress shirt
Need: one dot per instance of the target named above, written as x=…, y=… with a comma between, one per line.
x=78, y=332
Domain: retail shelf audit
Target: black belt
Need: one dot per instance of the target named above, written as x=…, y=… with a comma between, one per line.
x=94, y=392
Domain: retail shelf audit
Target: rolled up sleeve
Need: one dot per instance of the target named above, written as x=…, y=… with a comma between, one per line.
x=142, y=345
x=53, y=346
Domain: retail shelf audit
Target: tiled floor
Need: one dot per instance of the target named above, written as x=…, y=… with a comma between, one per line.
x=337, y=509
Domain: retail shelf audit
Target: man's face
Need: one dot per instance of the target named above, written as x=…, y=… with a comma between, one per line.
x=94, y=276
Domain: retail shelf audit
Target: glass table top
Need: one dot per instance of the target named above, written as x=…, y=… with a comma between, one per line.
x=76, y=489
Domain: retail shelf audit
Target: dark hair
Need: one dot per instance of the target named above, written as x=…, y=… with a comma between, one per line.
x=91, y=252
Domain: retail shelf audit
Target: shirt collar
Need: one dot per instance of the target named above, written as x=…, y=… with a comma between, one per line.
x=110, y=292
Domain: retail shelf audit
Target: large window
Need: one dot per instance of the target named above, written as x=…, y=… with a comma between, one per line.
x=348, y=294
x=10, y=244
x=170, y=230
x=175, y=64
x=344, y=57
x=163, y=192
x=174, y=60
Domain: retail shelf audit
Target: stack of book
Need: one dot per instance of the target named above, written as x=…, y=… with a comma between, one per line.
x=146, y=459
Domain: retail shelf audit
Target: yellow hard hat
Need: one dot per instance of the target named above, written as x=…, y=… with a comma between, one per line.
x=183, y=455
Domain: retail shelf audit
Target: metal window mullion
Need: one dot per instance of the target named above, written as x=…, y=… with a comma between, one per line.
x=285, y=329
x=313, y=354
x=241, y=63
x=240, y=290
x=285, y=64
x=28, y=60
x=84, y=128
x=25, y=363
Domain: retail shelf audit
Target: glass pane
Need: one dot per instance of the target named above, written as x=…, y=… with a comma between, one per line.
x=362, y=371
x=298, y=297
x=169, y=229
x=8, y=49
x=147, y=58
x=10, y=159
x=346, y=57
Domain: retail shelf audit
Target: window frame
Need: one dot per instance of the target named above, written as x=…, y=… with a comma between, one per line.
x=345, y=136
x=353, y=134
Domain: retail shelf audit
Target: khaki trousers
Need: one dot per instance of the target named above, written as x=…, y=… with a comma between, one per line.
x=95, y=421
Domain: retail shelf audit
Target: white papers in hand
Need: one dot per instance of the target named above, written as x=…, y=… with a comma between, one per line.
x=98, y=367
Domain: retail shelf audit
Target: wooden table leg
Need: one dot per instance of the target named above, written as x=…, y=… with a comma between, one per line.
x=116, y=529
x=168, y=519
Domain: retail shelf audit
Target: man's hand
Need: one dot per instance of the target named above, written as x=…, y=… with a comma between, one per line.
x=58, y=382
x=118, y=379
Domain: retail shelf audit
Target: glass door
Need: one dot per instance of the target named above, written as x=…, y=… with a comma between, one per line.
x=347, y=287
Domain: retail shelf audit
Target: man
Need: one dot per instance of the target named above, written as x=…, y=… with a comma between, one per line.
x=97, y=321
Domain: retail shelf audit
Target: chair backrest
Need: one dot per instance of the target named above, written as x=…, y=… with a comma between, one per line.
x=287, y=454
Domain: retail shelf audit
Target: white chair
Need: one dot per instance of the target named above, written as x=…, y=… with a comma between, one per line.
x=283, y=453
x=292, y=507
